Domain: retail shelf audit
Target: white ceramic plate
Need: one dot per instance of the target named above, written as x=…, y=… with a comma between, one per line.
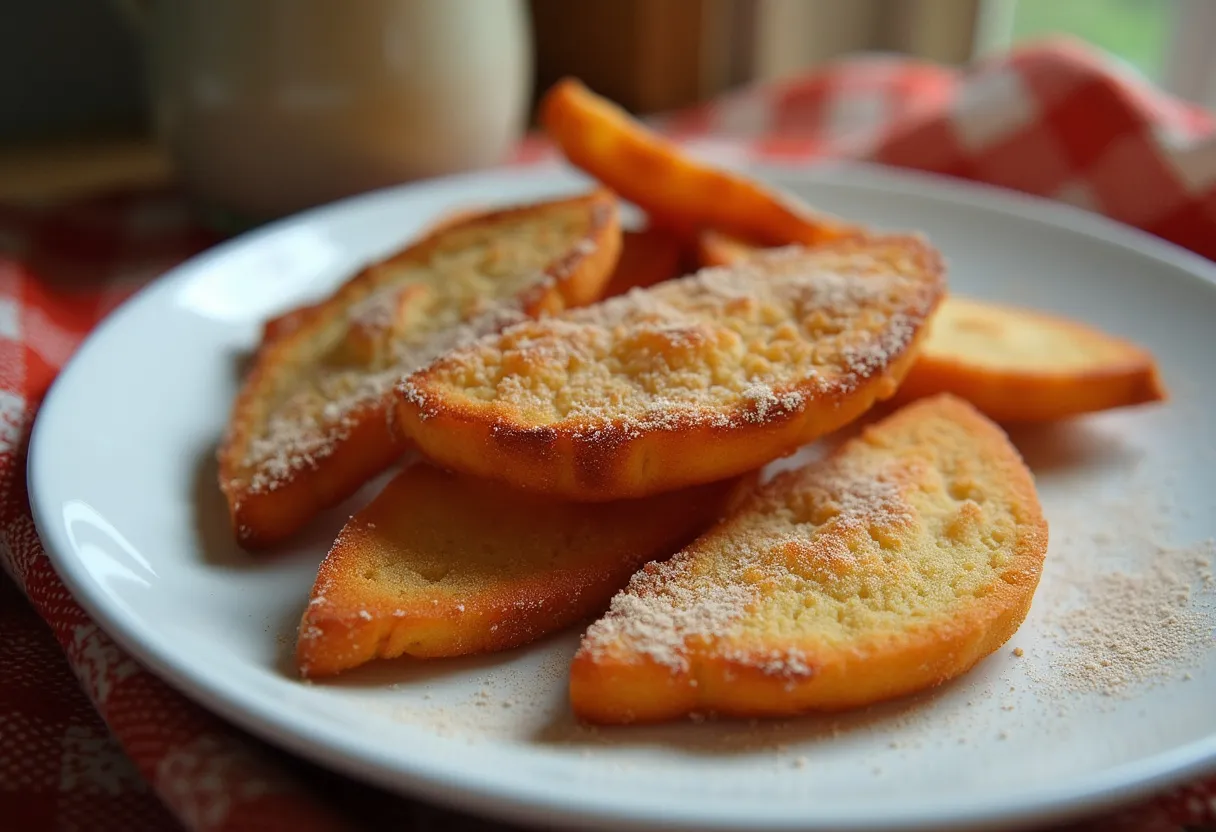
x=124, y=494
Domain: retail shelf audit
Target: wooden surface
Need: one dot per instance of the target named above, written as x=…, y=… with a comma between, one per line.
x=62, y=169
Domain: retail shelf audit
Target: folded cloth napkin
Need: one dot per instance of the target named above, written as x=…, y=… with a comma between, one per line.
x=116, y=748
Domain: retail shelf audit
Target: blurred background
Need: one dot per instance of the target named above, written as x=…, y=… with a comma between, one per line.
x=76, y=110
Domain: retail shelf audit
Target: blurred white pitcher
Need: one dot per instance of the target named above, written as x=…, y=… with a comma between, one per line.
x=270, y=106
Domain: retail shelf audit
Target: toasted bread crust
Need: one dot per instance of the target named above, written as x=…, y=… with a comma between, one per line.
x=1066, y=369
x=442, y=565
x=269, y=500
x=899, y=562
x=708, y=401
x=602, y=139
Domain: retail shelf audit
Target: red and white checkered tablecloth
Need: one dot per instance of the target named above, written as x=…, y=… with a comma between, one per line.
x=90, y=740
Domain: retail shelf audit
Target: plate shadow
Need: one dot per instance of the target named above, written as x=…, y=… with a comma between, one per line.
x=1070, y=445
x=213, y=528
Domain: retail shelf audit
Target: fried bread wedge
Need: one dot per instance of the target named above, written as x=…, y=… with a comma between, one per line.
x=445, y=565
x=310, y=424
x=900, y=561
x=690, y=381
x=653, y=173
x=1019, y=365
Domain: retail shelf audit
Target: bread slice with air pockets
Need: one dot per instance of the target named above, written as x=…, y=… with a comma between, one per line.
x=898, y=562
x=1023, y=365
x=444, y=565
x=692, y=380
x=310, y=424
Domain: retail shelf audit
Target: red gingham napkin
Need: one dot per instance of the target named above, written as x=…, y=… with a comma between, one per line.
x=1055, y=120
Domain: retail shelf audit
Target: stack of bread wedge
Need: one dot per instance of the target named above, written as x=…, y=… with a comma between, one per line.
x=592, y=411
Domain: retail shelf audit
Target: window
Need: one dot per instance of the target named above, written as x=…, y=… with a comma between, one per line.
x=1167, y=41
x=1135, y=30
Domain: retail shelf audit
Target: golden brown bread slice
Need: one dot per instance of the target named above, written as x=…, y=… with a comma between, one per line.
x=444, y=565
x=897, y=563
x=671, y=186
x=689, y=381
x=310, y=424
x=1018, y=365
x=1015, y=365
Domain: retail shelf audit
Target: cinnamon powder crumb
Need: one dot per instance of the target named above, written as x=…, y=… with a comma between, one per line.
x=1135, y=628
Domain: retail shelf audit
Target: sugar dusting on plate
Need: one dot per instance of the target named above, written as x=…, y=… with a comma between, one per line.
x=1112, y=629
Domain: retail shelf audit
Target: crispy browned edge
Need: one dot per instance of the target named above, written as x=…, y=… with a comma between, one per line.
x=505, y=616
x=616, y=462
x=628, y=688
x=1012, y=396
x=672, y=186
x=263, y=519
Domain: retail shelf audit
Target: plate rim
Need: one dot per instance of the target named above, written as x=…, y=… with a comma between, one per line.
x=506, y=800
